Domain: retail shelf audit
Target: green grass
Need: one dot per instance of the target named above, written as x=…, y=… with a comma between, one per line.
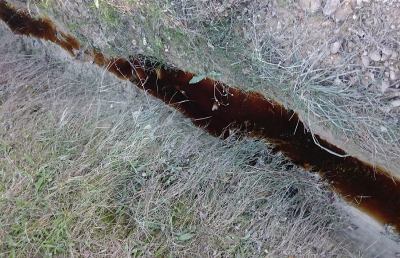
x=92, y=166
x=237, y=41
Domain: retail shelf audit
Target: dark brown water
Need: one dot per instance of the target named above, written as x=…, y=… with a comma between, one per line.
x=217, y=108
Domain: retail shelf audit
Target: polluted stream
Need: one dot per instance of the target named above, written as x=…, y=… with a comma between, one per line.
x=219, y=109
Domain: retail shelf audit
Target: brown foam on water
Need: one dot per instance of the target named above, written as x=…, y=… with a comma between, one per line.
x=218, y=108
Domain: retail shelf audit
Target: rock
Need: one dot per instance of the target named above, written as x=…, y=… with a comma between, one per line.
x=384, y=85
x=215, y=107
x=343, y=12
x=330, y=7
x=393, y=75
x=387, y=51
x=279, y=26
x=365, y=60
x=335, y=47
x=375, y=55
x=365, y=80
x=310, y=5
x=394, y=55
x=395, y=103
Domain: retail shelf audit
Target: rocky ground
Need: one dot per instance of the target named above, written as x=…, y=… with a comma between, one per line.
x=366, y=34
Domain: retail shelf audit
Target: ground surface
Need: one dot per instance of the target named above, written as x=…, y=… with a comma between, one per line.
x=92, y=167
x=337, y=65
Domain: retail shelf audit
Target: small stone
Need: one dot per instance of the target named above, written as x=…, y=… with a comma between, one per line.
x=330, y=7
x=215, y=107
x=393, y=75
x=394, y=55
x=375, y=55
x=365, y=81
x=384, y=85
x=279, y=26
x=343, y=12
x=395, y=103
x=310, y=5
x=365, y=61
x=335, y=47
x=387, y=51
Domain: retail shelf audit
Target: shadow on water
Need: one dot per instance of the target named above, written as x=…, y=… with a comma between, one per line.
x=218, y=108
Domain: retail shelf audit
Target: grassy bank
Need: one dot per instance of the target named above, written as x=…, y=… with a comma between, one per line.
x=274, y=47
x=92, y=167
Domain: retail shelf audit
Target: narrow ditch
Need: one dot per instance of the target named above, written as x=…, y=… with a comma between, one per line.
x=218, y=108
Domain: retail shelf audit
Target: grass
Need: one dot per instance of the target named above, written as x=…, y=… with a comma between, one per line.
x=88, y=166
x=91, y=167
x=238, y=40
